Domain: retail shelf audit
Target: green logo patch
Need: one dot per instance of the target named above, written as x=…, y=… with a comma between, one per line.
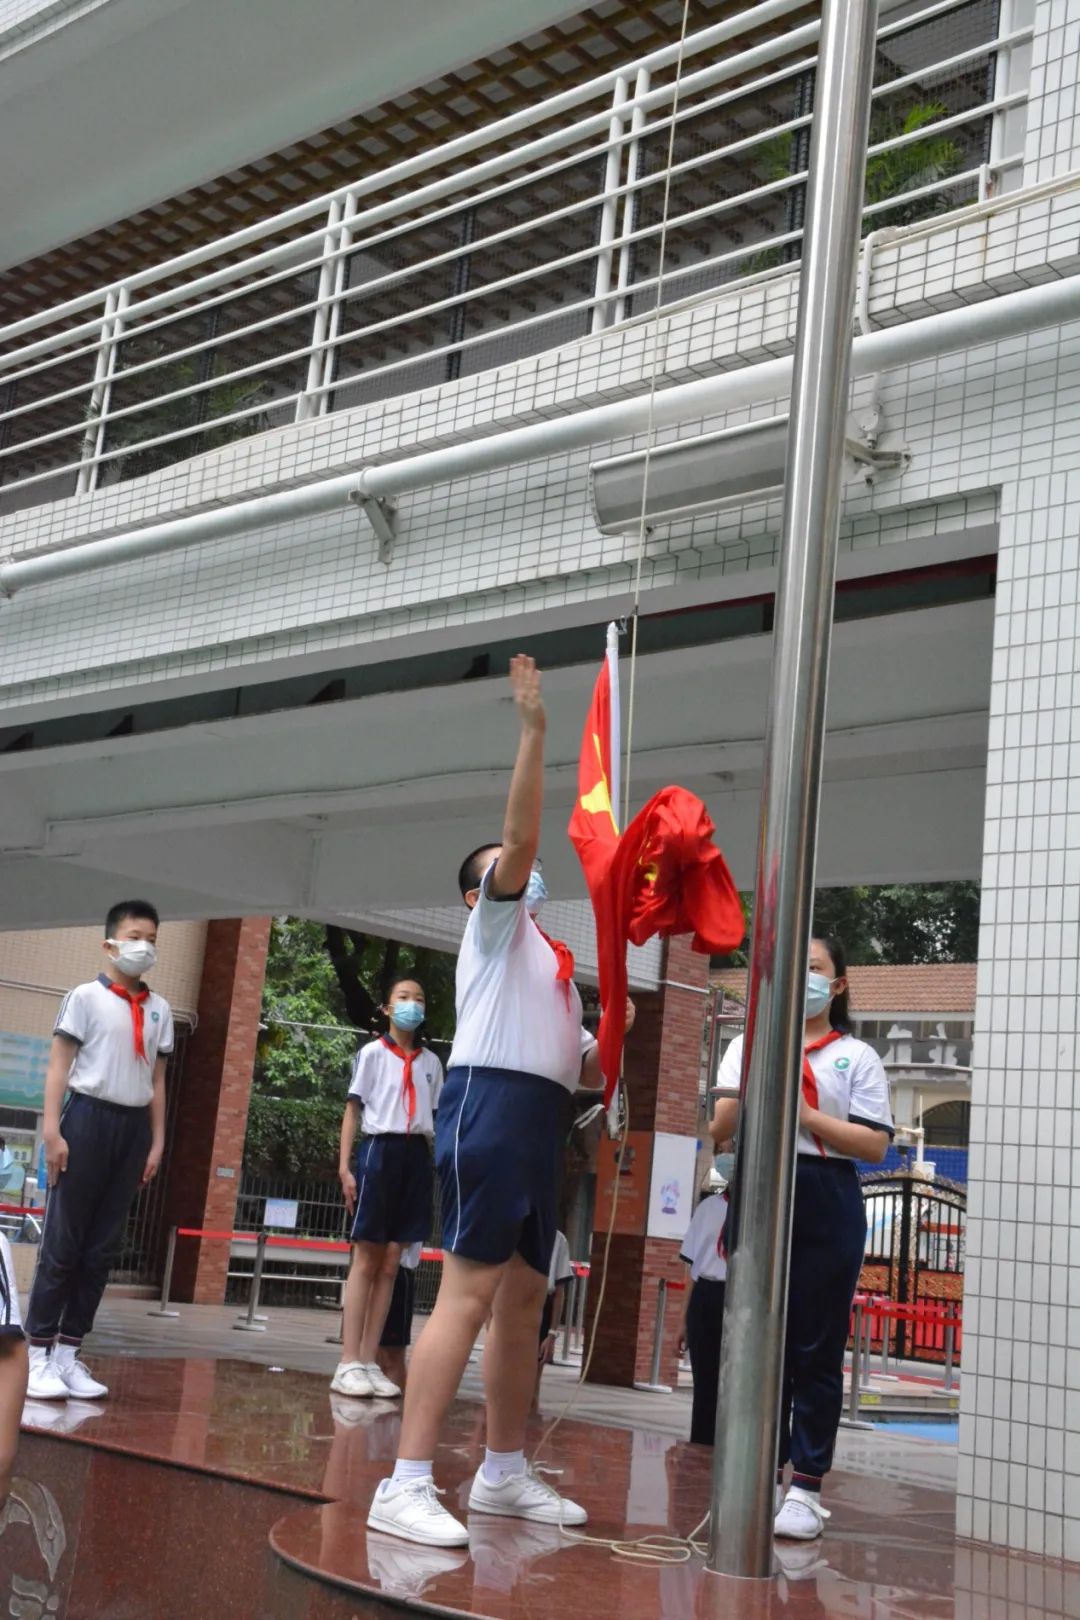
x=843, y=1063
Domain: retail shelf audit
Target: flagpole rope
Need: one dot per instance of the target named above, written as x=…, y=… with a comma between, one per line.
x=655, y=1549
x=650, y=426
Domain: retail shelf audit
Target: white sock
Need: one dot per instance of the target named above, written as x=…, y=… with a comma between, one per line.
x=66, y=1355
x=500, y=1465
x=405, y=1469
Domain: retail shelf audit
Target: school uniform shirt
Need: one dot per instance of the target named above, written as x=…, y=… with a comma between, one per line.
x=512, y=1011
x=107, y=1065
x=378, y=1079
x=701, y=1245
x=851, y=1084
x=561, y=1269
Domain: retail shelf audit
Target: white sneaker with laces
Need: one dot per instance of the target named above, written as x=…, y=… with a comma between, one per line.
x=45, y=1383
x=524, y=1496
x=802, y=1517
x=412, y=1510
x=351, y=1379
x=80, y=1383
x=382, y=1386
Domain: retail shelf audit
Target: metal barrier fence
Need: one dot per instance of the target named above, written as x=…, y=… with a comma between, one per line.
x=514, y=238
x=320, y=1259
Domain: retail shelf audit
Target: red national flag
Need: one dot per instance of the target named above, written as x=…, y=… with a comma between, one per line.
x=664, y=875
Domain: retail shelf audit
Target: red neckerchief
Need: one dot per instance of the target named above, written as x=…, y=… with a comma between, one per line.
x=809, y=1084
x=564, y=959
x=135, y=999
x=408, y=1087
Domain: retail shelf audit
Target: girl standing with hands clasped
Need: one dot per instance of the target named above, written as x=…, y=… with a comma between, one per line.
x=844, y=1116
x=396, y=1082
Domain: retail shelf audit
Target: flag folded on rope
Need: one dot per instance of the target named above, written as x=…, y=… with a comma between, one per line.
x=663, y=875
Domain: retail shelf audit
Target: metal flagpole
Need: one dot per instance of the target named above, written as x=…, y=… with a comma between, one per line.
x=740, y=1537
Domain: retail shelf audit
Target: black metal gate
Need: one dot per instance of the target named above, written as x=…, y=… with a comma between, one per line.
x=915, y=1256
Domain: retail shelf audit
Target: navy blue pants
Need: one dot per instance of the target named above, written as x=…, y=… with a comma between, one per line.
x=397, y=1329
x=704, y=1330
x=828, y=1241
x=85, y=1214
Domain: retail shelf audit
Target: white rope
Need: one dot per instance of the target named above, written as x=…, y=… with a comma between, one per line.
x=650, y=427
x=658, y=1548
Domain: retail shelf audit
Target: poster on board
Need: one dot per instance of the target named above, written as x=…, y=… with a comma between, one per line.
x=671, y=1187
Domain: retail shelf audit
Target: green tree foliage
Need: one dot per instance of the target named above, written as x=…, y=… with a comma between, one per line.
x=895, y=923
x=323, y=990
x=903, y=922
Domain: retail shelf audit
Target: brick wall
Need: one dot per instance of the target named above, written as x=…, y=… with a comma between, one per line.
x=662, y=1070
x=213, y=1105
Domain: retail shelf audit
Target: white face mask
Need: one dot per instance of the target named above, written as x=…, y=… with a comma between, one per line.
x=133, y=956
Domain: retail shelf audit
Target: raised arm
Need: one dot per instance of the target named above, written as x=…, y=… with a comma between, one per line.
x=525, y=802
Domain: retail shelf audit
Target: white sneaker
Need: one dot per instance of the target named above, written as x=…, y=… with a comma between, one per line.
x=351, y=1379
x=78, y=1380
x=524, y=1496
x=45, y=1383
x=407, y=1572
x=382, y=1386
x=413, y=1511
x=802, y=1517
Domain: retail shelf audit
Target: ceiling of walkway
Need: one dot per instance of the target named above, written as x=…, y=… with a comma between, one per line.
x=371, y=802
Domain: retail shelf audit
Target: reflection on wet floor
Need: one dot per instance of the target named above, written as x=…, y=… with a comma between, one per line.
x=202, y=1488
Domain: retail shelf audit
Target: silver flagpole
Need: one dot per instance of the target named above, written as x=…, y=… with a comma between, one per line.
x=740, y=1538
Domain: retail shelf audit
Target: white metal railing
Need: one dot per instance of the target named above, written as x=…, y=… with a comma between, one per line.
x=494, y=245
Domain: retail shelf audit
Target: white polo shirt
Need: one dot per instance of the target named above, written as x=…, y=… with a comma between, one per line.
x=851, y=1082
x=512, y=1011
x=701, y=1245
x=377, y=1079
x=106, y=1065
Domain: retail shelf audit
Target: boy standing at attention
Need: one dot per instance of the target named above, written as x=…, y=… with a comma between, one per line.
x=519, y=1048
x=104, y=1136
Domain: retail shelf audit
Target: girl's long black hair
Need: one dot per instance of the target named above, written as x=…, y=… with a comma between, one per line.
x=840, y=1008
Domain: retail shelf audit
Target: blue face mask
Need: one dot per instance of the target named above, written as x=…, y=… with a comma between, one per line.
x=818, y=994
x=535, y=892
x=408, y=1014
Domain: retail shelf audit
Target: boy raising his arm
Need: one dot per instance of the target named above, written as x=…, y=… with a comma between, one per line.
x=519, y=1048
x=104, y=1137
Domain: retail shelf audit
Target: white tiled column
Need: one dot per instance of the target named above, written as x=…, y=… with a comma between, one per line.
x=1052, y=145
x=1020, y=1416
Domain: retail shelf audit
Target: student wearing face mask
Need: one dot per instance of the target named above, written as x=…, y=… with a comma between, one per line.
x=518, y=1050
x=104, y=1136
x=844, y=1117
x=389, y=1189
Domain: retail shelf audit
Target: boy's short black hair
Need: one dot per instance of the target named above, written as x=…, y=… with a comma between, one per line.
x=124, y=909
x=473, y=868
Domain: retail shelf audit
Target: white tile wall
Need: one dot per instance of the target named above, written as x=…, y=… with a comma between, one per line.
x=1020, y=1429
x=23, y=20
x=1052, y=144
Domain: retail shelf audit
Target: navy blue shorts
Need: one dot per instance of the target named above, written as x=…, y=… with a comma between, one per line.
x=394, y=1189
x=498, y=1150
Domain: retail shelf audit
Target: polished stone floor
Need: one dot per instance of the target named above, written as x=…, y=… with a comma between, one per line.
x=223, y=1488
